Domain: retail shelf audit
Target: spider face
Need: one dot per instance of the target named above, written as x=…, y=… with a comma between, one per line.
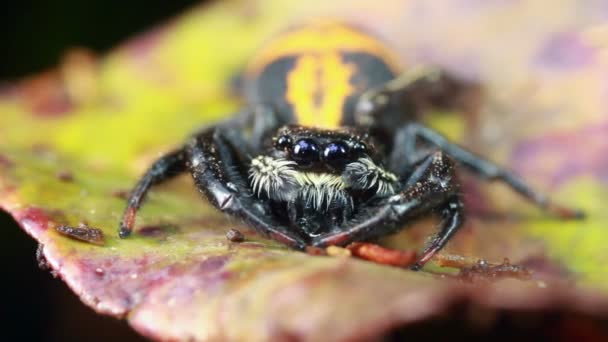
x=319, y=173
x=329, y=150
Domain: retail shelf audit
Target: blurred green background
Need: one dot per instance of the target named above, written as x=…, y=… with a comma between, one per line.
x=34, y=35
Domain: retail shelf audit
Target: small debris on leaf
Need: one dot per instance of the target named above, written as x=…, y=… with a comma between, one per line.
x=65, y=176
x=480, y=269
x=382, y=255
x=234, y=235
x=454, y=261
x=484, y=270
x=83, y=233
x=336, y=251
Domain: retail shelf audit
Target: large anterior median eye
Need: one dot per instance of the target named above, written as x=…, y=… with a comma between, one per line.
x=359, y=148
x=336, y=154
x=305, y=152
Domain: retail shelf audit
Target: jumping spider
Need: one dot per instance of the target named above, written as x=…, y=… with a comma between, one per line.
x=329, y=150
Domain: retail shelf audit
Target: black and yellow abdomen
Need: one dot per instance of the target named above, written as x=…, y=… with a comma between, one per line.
x=313, y=75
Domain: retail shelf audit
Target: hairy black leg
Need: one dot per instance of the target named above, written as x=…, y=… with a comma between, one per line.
x=385, y=108
x=434, y=187
x=412, y=134
x=167, y=167
x=214, y=164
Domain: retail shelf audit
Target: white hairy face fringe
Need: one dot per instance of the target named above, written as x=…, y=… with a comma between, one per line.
x=278, y=179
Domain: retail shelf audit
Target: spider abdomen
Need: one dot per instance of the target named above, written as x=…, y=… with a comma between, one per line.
x=314, y=75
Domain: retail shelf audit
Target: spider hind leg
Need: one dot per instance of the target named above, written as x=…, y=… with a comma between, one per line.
x=410, y=135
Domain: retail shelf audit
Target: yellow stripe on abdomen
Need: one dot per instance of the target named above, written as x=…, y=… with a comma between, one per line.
x=317, y=88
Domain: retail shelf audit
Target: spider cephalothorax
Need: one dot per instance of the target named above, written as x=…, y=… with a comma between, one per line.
x=328, y=173
x=329, y=150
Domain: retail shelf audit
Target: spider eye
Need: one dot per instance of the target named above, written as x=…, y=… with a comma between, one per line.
x=305, y=152
x=359, y=147
x=284, y=142
x=336, y=154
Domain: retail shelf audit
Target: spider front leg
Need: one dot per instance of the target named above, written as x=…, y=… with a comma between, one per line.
x=214, y=164
x=432, y=187
x=165, y=168
x=410, y=136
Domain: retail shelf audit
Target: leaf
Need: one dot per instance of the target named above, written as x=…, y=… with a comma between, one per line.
x=75, y=138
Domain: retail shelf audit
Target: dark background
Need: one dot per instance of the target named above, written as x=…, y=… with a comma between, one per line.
x=34, y=35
